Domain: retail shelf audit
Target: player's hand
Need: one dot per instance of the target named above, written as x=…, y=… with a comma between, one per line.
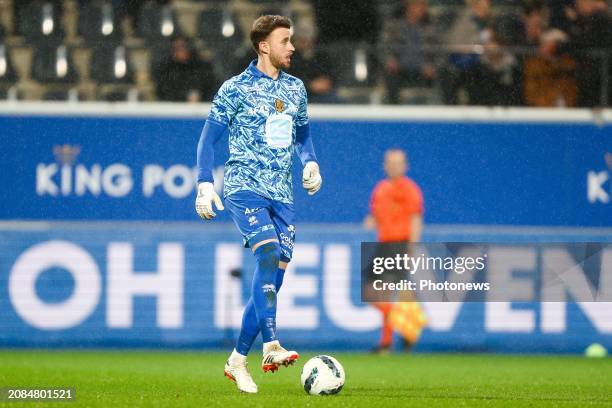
x=311, y=178
x=205, y=199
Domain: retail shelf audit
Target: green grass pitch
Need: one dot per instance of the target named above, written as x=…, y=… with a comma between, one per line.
x=195, y=379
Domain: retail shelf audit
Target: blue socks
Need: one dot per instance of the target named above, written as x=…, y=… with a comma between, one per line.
x=260, y=311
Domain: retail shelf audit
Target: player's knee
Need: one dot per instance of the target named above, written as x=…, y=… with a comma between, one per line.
x=268, y=255
x=285, y=258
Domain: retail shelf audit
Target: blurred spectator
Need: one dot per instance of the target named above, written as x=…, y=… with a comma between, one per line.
x=405, y=60
x=549, y=77
x=497, y=76
x=467, y=32
x=313, y=66
x=512, y=27
x=558, y=13
x=590, y=32
x=533, y=25
x=129, y=9
x=348, y=20
x=183, y=76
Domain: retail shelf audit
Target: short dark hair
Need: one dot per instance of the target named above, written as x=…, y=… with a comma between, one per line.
x=532, y=6
x=264, y=25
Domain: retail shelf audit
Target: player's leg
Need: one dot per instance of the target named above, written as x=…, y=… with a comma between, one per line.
x=263, y=288
x=263, y=294
x=282, y=217
x=384, y=250
x=249, y=331
x=386, y=331
x=280, y=274
x=250, y=328
x=249, y=212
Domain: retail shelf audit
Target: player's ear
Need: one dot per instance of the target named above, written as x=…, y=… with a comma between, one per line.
x=264, y=47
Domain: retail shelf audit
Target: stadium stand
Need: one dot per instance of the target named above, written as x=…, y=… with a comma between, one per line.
x=506, y=50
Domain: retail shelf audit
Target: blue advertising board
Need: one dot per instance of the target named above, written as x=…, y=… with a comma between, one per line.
x=171, y=285
x=143, y=168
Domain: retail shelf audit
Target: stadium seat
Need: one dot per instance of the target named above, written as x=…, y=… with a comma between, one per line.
x=356, y=65
x=62, y=94
x=98, y=22
x=111, y=64
x=229, y=58
x=221, y=32
x=157, y=22
x=267, y=2
x=219, y=25
x=113, y=94
x=40, y=21
x=158, y=53
x=52, y=63
x=8, y=75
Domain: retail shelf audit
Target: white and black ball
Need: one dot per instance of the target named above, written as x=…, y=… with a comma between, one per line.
x=323, y=375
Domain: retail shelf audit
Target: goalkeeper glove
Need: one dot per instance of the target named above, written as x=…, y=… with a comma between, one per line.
x=204, y=201
x=311, y=178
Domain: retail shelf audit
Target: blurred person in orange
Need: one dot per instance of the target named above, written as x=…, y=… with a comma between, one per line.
x=396, y=212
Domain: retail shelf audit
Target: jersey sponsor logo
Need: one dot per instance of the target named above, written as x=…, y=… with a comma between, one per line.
x=252, y=220
x=259, y=110
x=248, y=211
x=279, y=130
x=286, y=241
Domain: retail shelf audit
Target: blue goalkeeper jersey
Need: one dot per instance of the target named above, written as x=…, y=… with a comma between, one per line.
x=262, y=115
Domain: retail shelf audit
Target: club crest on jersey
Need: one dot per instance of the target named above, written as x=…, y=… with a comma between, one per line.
x=279, y=105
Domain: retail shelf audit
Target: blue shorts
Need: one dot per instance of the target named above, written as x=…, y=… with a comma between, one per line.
x=259, y=218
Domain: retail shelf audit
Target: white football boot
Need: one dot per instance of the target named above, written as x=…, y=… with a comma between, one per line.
x=236, y=370
x=274, y=356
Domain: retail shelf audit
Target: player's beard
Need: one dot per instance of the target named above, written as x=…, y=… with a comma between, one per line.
x=279, y=62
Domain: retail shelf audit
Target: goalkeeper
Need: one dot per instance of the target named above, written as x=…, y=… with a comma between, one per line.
x=264, y=110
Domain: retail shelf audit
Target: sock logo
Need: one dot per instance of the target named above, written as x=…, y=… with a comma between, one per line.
x=270, y=293
x=269, y=288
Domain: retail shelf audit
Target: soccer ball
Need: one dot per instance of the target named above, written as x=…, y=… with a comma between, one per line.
x=322, y=375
